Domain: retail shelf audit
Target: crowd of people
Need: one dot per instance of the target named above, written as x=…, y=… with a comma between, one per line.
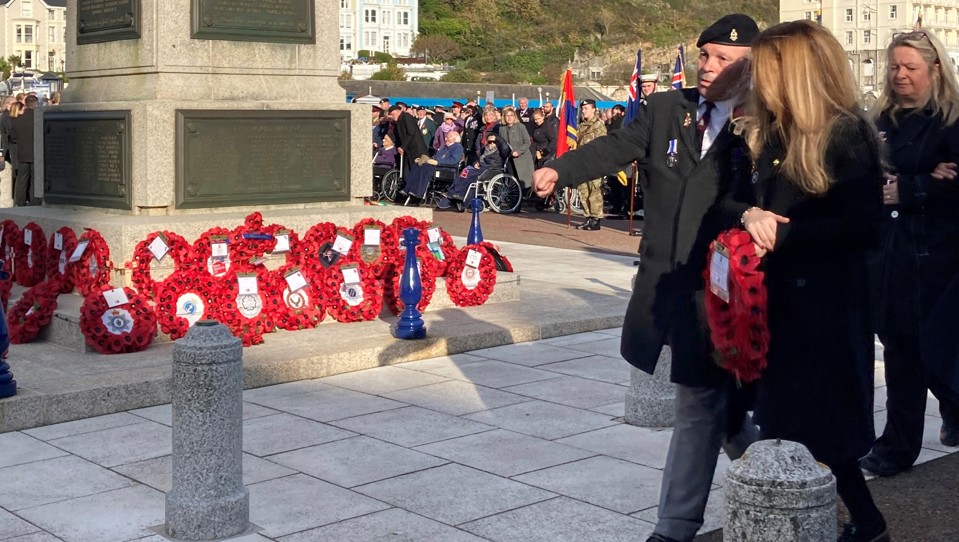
x=773, y=140
x=489, y=139
x=16, y=147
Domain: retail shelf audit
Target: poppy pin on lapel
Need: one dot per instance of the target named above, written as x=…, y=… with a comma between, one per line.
x=687, y=120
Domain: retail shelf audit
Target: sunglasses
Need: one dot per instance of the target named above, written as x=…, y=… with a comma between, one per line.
x=915, y=35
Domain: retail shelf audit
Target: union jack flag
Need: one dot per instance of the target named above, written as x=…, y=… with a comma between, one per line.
x=678, y=73
x=632, y=104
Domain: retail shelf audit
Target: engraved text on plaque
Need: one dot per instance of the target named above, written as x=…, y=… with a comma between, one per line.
x=282, y=21
x=107, y=20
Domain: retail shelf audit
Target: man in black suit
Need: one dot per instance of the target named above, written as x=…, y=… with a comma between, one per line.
x=21, y=133
x=410, y=141
x=691, y=157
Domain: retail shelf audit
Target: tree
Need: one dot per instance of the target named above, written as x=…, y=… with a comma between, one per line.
x=14, y=61
x=461, y=76
x=345, y=75
x=439, y=48
x=390, y=73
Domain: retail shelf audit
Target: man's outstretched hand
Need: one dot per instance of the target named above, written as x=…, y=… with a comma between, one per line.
x=544, y=181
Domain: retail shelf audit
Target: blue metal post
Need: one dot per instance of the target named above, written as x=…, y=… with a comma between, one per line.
x=411, y=325
x=476, y=233
x=8, y=386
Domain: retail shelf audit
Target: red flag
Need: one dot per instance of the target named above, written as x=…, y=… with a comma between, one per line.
x=566, y=138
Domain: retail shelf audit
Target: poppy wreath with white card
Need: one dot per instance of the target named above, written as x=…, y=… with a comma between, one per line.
x=157, y=247
x=736, y=305
x=316, y=248
x=31, y=265
x=32, y=311
x=61, y=245
x=182, y=299
x=244, y=300
x=358, y=294
x=90, y=264
x=376, y=246
x=10, y=241
x=287, y=243
x=117, y=320
x=470, y=276
x=303, y=301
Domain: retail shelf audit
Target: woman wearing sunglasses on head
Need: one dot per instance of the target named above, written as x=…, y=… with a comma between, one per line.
x=917, y=116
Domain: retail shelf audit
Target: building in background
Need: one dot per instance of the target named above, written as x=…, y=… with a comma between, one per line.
x=34, y=30
x=387, y=26
x=865, y=28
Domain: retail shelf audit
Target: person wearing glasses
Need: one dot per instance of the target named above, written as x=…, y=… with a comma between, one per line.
x=917, y=113
x=514, y=134
x=815, y=217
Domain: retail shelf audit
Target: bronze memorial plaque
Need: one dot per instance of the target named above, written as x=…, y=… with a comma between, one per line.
x=281, y=21
x=107, y=20
x=237, y=157
x=87, y=158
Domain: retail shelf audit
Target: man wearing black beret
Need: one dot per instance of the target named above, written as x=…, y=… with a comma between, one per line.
x=690, y=157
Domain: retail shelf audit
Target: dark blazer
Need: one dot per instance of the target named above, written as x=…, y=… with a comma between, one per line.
x=410, y=138
x=544, y=142
x=681, y=220
x=920, y=246
x=21, y=133
x=818, y=386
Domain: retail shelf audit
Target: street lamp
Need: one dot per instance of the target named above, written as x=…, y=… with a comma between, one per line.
x=540, y=90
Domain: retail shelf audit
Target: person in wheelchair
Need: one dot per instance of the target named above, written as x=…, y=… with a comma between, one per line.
x=493, y=159
x=385, y=158
x=449, y=156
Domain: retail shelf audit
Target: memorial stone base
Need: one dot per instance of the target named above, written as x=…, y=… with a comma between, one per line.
x=650, y=399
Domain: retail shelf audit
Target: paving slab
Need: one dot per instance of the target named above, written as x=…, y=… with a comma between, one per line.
x=627, y=442
x=454, y=494
x=289, y=388
x=382, y=380
x=543, y=419
x=120, y=445
x=456, y=397
x=504, y=452
x=411, y=426
x=442, y=362
x=19, y=448
x=54, y=480
x=35, y=537
x=356, y=461
x=575, y=338
x=572, y=391
x=617, y=410
x=328, y=404
x=560, y=519
x=297, y=503
x=603, y=368
x=11, y=526
x=164, y=413
x=284, y=432
x=89, y=425
x=158, y=473
x=607, y=347
x=395, y=525
x=120, y=515
x=495, y=374
x=611, y=483
x=529, y=354
x=713, y=516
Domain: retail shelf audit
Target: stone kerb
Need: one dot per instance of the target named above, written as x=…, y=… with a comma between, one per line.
x=777, y=492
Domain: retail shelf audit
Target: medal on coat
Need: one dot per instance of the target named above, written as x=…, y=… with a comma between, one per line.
x=687, y=120
x=671, y=153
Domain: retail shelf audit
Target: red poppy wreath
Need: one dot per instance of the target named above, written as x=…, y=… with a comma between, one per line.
x=737, y=324
x=31, y=266
x=470, y=276
x=357, y=296
x=245, y=302
x=155, y=248
x=318, y=248
x=302, y=301
x=251, y=240
x=182, y=299
x=376, y=246
x=117, y=320
x=212, y=251
x=90, y=262
x=62, y=244
x=32, y=312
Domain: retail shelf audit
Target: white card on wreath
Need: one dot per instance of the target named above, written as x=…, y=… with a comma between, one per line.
x=473, y=258
x=219, y=250
x=159, y=248
x=433, y=234
x=296, y=281
x=351, y=275
x=77, y=252
x=28, y=237
x=342, y=244
x=282, y=243
x=58, y=241
x=371, y=236
x=62, y=261
x=719, y=273
x=116, y=297
x=247, y=285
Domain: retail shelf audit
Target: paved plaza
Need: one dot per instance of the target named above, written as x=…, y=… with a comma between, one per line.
x=521, y=442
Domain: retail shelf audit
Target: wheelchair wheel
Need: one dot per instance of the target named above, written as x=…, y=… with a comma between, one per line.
x=392, y=184
x=504, y=194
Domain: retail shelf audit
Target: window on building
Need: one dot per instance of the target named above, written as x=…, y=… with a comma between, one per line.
x=52, y=34
x=19, y=33
x=26, y=8
x=51, y=15
x=866, y=15
x=386, y=44
x=51, y=61
x=28, y=34
x=28, y=60
x=386, y=17
x=849, y=18
x=849, y=38
x=370, y=15
x=893, y=12
x=867, y=36
x=345, y=4
x=372, y=43
x=405, y=18
x=342, y=20
x=807, y=15
x=404, y=40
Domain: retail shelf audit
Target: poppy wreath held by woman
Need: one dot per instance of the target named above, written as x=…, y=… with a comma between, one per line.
x=117, y=320
x=470, y=276
x=246, y=301
x=62, y=244
x=33, y=311
x=358, y=294
x=182, y=299
x=90, y=269
x=303, y=301
x=31, y=266
x=155, y=248
x=736, y=307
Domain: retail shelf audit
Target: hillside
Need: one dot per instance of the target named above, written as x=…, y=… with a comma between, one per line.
x=509, y=41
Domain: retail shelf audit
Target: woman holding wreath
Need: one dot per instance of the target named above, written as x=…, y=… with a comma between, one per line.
x=816, y=194
x=917, y=115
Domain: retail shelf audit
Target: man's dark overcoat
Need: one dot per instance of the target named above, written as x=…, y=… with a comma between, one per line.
x=410, y=137
x=681, y=196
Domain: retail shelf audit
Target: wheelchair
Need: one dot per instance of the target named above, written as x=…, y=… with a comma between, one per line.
x=500, y=189
x=389, y=184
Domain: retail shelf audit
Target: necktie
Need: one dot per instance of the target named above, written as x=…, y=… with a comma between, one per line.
x=703, y=123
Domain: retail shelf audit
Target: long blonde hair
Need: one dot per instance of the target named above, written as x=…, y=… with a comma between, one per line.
x=15, y=109
x=944, y=92
x=802, y=85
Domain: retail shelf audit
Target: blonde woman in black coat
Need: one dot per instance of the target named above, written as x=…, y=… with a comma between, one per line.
x=816, y=215
x=917, y=115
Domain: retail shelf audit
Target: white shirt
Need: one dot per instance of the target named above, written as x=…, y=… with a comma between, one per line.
x=717, y=119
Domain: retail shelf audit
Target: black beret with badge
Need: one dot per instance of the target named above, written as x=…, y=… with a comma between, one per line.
x=588, y=101
x=736, y=30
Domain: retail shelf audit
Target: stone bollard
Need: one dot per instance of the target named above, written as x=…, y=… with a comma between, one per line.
x=777, y=492
x=650, y=399
x=208, y=500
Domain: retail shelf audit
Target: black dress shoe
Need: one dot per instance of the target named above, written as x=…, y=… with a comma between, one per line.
x=879, y=466
x=585, y=225
x=851, y=533
x=949, y=435
x=592, y=225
